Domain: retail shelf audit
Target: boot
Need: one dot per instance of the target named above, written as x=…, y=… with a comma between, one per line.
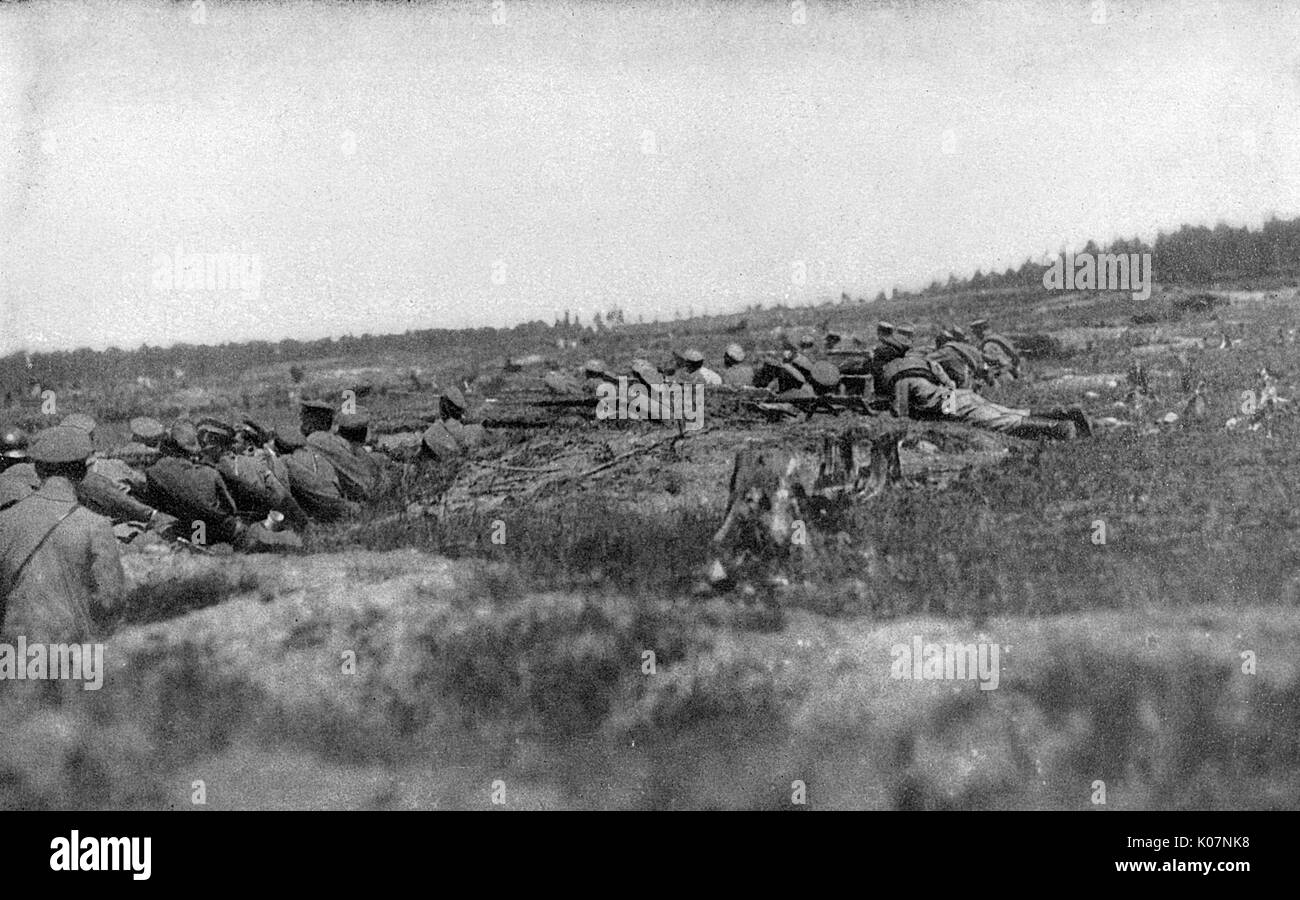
x=1073, y=414
x=1034, y=428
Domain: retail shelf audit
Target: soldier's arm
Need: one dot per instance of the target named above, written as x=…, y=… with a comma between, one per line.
x=99, y=494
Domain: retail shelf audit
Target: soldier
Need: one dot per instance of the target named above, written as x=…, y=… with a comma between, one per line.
x=693, y=370
x=449, y=435
x=317, y=415
x=356, y=477
x=13, y=449
x=963, y=363
x=734, y=371
x=922, y=390
x=142, y=450
x=313, y=480
x=191, y=490
x=114, y=489
x=255, y=485
x=355, y=429
x=645, y=372
x=59, y=563
x=893, y=345
x=1005, y=359
x=16, y=470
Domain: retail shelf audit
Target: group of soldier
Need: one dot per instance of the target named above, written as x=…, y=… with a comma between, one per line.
x=939, y=382
x=66, y=507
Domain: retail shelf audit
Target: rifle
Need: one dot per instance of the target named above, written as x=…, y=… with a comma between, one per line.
x=826, y=403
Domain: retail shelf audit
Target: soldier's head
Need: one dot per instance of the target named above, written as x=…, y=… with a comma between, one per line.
x=317, y=415
x=884, y=330
x=354, y=426
x=216, y=438
x=13, y=447
x=979, y=328
x=147, y=431
x=734, y=355
x=824, y=377
x=61, y=451
x=452, y=403
x=691, y=360
x=288, y=439
x=182, y=440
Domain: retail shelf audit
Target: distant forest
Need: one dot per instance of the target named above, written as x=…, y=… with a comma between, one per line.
x=1191, y=255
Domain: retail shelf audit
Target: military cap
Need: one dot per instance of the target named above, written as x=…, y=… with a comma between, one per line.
x=957, y=334
x=353, y=421
x=905, y=331
x=13, y=443
x=979, y=325
x=79, y=420
x=807, y=342
x=454, y=397
x=824, y=376
x=884, y=329
x=184, y=436
x=214, y=431
x=735, y=353
x=692, y=356
x=594, y=367
x=322, y=405
x=288, y=438
x=62, y=444
x=146, y=430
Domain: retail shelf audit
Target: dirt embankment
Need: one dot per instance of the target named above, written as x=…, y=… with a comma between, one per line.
x=404, y=680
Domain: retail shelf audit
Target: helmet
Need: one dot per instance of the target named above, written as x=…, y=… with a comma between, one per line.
x=13, y=443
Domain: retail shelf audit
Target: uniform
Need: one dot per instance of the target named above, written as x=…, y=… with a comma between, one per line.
x=257, y=488
x=919, y=393
x=194, y=492
x=963, y=363
x=59, y=563
x=314, y=483
x=359, y=477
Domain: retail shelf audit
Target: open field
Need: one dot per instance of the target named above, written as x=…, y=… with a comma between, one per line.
x=524, y=661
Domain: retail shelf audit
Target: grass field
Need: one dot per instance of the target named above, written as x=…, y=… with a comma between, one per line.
x=413, y=661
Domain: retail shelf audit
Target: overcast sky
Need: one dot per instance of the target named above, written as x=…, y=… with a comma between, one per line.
x=397, y=166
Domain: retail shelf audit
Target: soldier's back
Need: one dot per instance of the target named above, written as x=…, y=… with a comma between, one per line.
x=314, y=482
x=356, y=476
x=59, y=566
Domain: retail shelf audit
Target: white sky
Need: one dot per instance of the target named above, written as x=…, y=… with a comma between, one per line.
x=128, y=129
